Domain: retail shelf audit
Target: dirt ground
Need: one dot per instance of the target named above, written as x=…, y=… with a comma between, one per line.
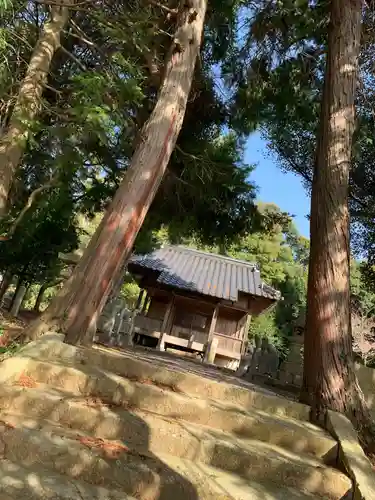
x=11, y=327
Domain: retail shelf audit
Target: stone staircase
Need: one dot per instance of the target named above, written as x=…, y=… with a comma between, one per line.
x=97, y=424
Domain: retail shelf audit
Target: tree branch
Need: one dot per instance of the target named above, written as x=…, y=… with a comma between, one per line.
x=189, y=155
x=172, y=12
x=153, y=68
x=81, y=35
x=73, y=58
x=306, y=177
x=72, y=6
x=31, y=200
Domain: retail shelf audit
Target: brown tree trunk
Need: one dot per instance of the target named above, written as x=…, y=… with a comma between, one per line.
x=18, y=297
x=78, y=306
x=5, y=284
x=329, y=376
x=39, y=298
x=29, y=101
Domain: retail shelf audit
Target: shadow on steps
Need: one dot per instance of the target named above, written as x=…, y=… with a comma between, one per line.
x=134, y=469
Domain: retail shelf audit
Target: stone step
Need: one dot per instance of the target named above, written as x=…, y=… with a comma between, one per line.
x=90, y=415
x=113, y=464
x=166, y=373
x=241, y=489
x=39, y=483
x=109, y=464
x=87, y=378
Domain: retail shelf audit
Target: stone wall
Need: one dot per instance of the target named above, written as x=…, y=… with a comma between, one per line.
x=261, y=364
x=261, y=358
x=291, y=369
x=114, y=324
x=366, y=378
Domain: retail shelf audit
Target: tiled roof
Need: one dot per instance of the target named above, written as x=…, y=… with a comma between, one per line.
x=205, y=273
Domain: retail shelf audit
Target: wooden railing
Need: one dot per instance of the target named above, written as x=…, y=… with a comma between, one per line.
x=196, y=340
x=189, y=334
x=228, y=345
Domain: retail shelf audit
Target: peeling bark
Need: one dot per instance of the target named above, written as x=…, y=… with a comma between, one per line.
x=329, y=376
x=29, y=101
x=76, y=309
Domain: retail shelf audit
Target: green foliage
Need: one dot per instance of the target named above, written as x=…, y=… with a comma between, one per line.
x=363, y=295
x=32, y=251
x=87, y=227
x=7, y=348
x=264, y=326
x=212, y=197
x=276, y=75
x=102, y=86
x=293, y=290
x=129, y=292
x=4, y=6
x=10, y=350
x=282, y=255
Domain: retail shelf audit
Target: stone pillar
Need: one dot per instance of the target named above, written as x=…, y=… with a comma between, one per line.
x=268, y=359
x=291, y=370
x=107, y=319
x=256, y=357
x=246, y=360
x=126, y=327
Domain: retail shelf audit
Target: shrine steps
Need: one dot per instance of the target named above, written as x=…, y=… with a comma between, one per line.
x=125, y=427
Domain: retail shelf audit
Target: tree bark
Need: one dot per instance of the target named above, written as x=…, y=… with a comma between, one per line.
x=329, y=376
x=5, y=284
x=39, y=298
x=29, y=101
x=76, y=309
x=18, y=298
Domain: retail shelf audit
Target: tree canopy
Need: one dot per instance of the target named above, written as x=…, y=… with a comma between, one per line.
x=261, y=67
x=102, y=84
x=277, y=73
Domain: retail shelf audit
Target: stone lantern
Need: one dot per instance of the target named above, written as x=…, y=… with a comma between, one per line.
x=291, y=370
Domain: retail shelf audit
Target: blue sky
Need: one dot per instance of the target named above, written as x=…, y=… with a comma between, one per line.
x=274, y=186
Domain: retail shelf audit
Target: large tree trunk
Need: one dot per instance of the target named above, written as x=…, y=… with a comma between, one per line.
x=18, y=298
x=78, y=306
x=329, y=376
x=29, y=101
x=40, y=296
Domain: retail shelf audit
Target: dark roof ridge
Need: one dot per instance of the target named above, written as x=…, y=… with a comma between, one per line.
x=204, y=272
x=214, y=255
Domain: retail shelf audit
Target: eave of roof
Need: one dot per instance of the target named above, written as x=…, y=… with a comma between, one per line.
x=205, y=273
